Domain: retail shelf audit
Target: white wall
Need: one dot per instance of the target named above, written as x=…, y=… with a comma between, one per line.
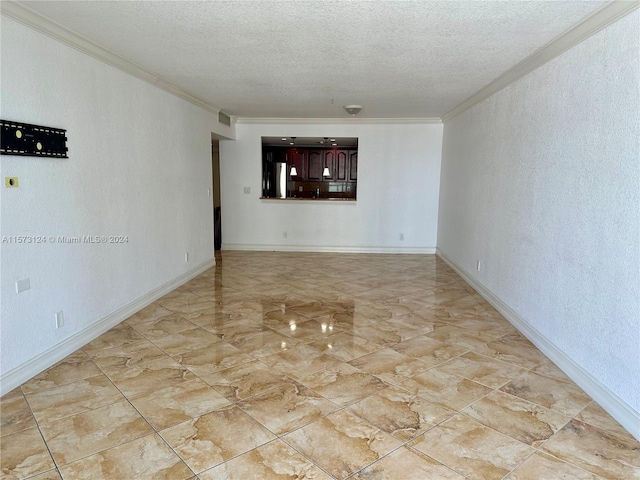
x=398, y=178
x=541, y=182
x=139, y=165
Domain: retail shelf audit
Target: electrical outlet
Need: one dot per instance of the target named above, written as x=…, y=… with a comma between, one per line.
x=22, y=285
x=186, y=257
x=11, y=182
x=478, y=266
x=284, y=234
x=402, y=236
x=247, y=190
x=59, y=319
x=208, y=192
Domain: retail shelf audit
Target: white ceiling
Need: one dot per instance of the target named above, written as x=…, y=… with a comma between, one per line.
x=305, y=59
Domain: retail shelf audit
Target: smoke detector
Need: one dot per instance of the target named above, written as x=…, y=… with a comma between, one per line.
x=353, y=110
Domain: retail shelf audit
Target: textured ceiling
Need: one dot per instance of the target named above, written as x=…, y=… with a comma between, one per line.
x=308, y=58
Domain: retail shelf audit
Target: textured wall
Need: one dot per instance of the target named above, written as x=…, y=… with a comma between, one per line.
x=140, y=165
x=541, y=182
x=398, y=177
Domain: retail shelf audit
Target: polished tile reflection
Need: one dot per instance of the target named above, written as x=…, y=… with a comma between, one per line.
x=316, y=366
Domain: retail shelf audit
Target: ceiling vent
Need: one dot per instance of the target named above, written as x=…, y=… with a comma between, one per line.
x=224, y=118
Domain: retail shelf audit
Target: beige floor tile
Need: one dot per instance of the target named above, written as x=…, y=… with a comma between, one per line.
x=274, y=461
x=548, y=369
x=345, y=346
x=136, y=380
x=541, y=466
x=80, y=435
x=15, y=414
x=186, y=341
x=407, y=464
x=49, y=475
x=76, y=366
x=300, y=361
x=429, y=351
x=163, y=326
x=452, y=335
x=513, y=349
x=264, y=343
x=343, y=384
x=155, y=311
x=595, y=415
x=206, y=361
x=400, y=413
x=167, y=406
x=287, y=406
x=472, y=449
x=24, y=454
x=138, y=353
x=342, y=443
x=245, y=380
x=147, y=458
x=483, y=370
x=562, y=397
x=517, y=418
x=211, y=439
x=119, y=335
x=72, y=398
x=598, y=451
x=445, y=389
x=307, y=331
x=389, y=365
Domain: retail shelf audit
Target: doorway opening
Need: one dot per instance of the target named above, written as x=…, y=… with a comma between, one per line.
x=217, y=211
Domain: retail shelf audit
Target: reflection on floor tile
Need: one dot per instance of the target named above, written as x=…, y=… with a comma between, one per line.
x=298, y=365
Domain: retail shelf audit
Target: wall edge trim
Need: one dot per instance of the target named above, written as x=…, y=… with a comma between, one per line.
x=20, y=374
x=46, y=26
x=327, y=249
x=614, y=405
x=592, y=24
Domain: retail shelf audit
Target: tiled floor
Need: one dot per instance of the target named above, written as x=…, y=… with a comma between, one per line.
x=315, y=366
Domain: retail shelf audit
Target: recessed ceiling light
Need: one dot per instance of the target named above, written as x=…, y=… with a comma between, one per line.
x=333, y=139
x=284, y=139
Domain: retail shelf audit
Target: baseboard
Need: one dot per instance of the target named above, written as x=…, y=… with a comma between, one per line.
x=614, y=405
x=327, y=249
x=20, y=374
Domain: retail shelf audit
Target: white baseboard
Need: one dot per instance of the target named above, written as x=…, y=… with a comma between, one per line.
x=327, y=249
x=20, y=374
x=614, y=405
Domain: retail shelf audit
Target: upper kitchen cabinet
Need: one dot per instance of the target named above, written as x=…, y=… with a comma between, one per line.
x=325, y=168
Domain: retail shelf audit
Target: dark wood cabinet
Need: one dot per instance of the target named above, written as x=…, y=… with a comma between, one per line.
x=330, y=163
x=353, y=165
x=297, y=158
x=315, y=165
x=342, y=159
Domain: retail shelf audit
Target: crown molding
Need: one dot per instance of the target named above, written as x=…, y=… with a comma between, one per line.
x=601, y=18
x=324, y=121
x=42, y=24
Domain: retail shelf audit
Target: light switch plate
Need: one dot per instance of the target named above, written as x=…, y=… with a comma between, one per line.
x=247, y=190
